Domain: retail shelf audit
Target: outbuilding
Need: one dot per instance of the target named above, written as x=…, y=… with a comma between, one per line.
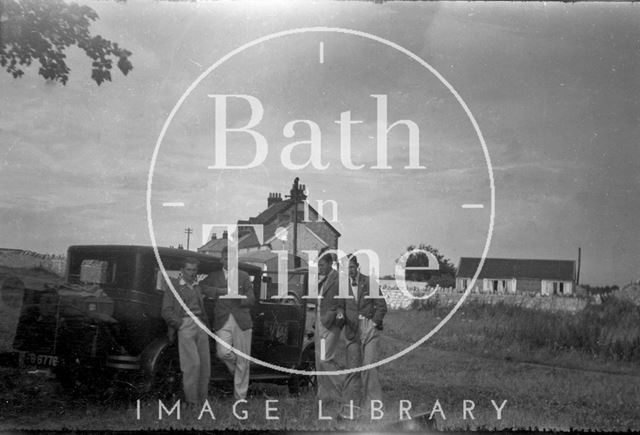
x=518, y=276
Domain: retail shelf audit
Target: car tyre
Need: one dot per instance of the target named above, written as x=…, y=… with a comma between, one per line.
x=165, y=381
x=73, y=378
x=301, y=384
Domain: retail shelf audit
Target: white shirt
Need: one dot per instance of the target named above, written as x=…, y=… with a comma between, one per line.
x=183, y=282
x=354, y=287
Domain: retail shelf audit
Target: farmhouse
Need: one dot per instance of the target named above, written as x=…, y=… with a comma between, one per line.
x=312, y=231
x=518, y=276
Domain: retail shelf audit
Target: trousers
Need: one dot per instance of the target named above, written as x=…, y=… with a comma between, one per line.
x=363, y=350
x=329, y=386
x=195, y=361
x=238, y=366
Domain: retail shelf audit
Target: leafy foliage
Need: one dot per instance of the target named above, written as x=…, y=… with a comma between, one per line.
x=43, y=29
x=444, y=276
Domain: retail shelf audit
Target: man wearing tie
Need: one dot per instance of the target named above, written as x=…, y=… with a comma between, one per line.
x=364, y=317
x=232, y=322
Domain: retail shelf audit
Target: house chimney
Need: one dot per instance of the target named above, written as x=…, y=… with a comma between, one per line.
x=273, y=198
x=225, y=234
x=214, y=236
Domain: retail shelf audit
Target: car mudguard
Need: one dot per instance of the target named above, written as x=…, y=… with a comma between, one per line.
x=151, y=354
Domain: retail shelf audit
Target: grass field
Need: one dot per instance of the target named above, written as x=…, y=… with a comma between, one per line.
x=609, y=331
x=482, y=354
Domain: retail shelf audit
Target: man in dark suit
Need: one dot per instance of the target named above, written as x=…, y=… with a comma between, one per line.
x=193, y=341
x=232, y=322
x=363, y=325
x=329, y=322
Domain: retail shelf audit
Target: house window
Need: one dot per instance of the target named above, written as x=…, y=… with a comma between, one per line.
x=557, y=287
x=499, y=286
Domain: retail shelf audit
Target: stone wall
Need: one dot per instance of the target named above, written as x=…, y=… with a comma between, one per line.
x=397, y=299
x=20, y=259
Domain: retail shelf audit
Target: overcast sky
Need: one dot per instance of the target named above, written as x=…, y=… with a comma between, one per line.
x=554, y=89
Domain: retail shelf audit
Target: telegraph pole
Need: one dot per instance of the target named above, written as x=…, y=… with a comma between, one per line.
x=188, y=231
x=579, y=261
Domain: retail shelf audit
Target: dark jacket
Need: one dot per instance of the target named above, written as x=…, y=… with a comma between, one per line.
x=216, y=284
x=172, y=311
x=330, y=305
x=374, y=309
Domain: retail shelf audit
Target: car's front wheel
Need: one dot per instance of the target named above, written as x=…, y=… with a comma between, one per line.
x=165, y=380
x=302, y=384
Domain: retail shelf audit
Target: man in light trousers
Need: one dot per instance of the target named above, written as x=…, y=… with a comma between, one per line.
x=193, y=341
x=362, y=330
x=329, y=322
x=232, y=322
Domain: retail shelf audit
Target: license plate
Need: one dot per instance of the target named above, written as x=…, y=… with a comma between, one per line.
x=41, y=360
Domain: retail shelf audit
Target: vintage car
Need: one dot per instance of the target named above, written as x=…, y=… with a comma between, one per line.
x=102, y=327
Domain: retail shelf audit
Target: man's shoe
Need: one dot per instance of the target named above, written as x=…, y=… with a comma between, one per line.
x=224, y=388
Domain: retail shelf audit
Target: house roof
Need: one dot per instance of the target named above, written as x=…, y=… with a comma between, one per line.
x=267, y=218
x=289, y=229
x=213, y=245
x=267, y=257
x=248, y=240
x=506, y=268
x=269, y=215
x=271, y=212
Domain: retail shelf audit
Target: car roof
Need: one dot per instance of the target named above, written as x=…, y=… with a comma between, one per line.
x=148, y=250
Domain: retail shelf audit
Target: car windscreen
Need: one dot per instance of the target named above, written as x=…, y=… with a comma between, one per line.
x=173, y=266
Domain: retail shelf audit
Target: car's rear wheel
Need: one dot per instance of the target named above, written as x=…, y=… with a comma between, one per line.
x=83, y=379
x=71, y=377
x=302, y=384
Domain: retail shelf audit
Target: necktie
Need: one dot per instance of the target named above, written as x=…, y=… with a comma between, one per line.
x=321, y=284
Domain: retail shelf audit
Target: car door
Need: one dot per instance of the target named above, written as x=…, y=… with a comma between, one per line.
x=279, y=324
